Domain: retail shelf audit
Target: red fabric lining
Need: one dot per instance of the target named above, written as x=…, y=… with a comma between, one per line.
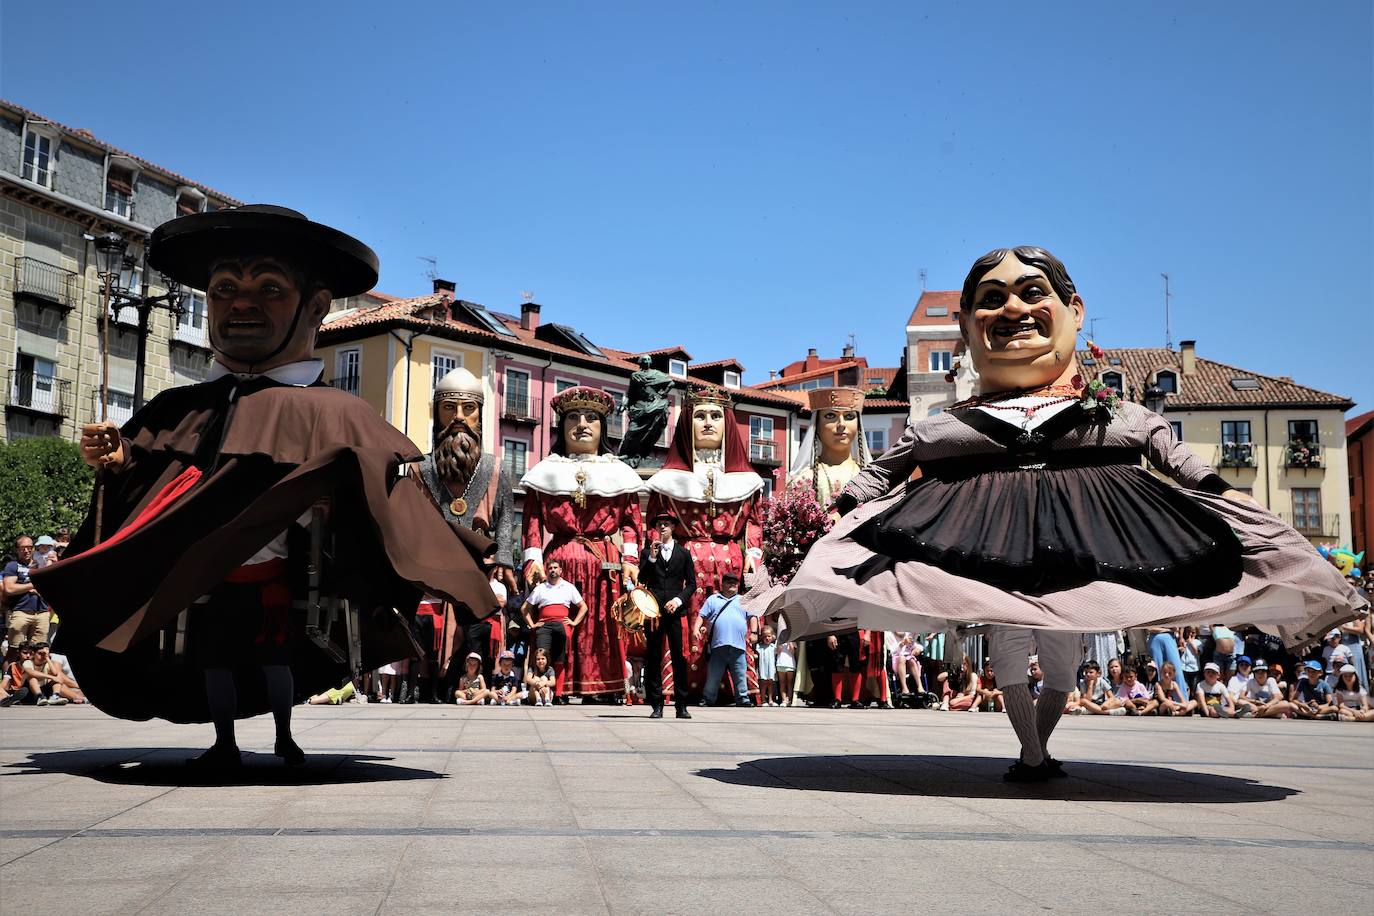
x=163, y=501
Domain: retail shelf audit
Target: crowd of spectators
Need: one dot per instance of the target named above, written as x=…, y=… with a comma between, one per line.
x=33, y=673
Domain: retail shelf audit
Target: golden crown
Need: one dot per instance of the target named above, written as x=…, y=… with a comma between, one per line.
x=583, y=397
x=709, y=395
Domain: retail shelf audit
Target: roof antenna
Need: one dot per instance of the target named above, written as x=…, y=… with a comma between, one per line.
x=433, y=273
x=923, y=279
x=527, y=295
x=1168, y=336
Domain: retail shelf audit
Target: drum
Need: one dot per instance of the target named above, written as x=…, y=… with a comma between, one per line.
x=631, y=610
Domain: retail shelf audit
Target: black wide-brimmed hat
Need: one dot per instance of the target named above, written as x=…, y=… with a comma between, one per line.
x=187, y=247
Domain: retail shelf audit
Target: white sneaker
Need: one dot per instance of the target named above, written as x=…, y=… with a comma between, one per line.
x=42, y=701
x=58, y=701
x=386, y=699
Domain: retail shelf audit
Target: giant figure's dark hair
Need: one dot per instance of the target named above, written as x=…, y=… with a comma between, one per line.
x=1026, y=254
x=559, y=442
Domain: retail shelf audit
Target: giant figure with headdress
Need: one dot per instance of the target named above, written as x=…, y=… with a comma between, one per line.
x=252, y=537
x=708, y=484
x=577, y=501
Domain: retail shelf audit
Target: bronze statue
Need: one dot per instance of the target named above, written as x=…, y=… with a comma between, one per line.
x=648, y=412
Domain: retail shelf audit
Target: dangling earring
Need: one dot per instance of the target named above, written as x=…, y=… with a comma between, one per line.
x=949, y=376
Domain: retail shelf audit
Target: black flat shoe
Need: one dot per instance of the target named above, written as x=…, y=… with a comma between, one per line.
x=657, y=713
x=290, y=752
x=682, y=713
x=835, y=704
x=858, y=705
x=218, y=757
x=1021, y=772
x=1055, y=769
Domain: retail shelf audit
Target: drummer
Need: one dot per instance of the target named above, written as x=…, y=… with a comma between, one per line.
x=554, y=600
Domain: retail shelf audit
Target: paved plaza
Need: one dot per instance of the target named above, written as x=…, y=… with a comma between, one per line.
x=594, y=809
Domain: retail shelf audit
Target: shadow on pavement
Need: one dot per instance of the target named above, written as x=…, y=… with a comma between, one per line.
x=144, y=766
x=981, y=777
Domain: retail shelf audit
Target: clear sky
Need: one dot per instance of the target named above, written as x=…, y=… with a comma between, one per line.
x=752, y=179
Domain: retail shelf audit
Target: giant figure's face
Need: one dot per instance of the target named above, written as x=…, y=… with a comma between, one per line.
x=582, y=432
x=708, y=426
x=1020, y=334
x=837, y=431
x=252, y=304
x=454, y=407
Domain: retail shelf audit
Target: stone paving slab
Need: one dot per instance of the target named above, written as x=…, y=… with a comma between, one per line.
x=418, y=809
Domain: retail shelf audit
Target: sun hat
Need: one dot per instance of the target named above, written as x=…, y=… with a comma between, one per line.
x=1347, y=669
x=1312, y=666
x=1213, y=667
x=45, y=541
x=1261, y=665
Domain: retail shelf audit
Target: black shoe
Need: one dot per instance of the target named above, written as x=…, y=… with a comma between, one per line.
x=1055, y=768
x=835, y=704
x=747, y=704
x=857, y=705
x=682, y=713
x=289, y=751
x=1021, y=772
x=657, y=713
x=218, y=757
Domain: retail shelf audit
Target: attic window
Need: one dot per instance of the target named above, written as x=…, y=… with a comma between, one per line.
x=937, y=311
x=478, y=315
x=731, y=379
x=1089, y=361
x=677, y=368
x=1245, y=384
x=1114, y=360
x=576, y=339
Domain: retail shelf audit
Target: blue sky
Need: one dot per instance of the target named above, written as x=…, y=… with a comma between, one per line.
x=752, y=179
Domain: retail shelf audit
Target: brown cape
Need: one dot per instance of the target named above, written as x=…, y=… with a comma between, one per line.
x=267, y=453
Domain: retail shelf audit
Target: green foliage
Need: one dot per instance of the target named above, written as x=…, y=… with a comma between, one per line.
x=44, y=485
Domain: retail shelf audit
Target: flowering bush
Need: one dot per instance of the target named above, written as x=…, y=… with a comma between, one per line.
x=792, y=522
x=1300, y=453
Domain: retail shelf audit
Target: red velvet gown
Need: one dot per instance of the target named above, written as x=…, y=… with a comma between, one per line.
x=580, y=538
x=718, y=545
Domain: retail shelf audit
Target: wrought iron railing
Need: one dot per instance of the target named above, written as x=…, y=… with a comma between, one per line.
x=44, y=281
x=38, y=393
x=522, y=409
x=1237, y=455
x=1299, y=453
x=764, y=450
x=353, y=384
x=1313, y=525
x=192, y=335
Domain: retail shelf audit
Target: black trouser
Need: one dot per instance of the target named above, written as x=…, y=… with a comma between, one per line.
x=669, y=628
x=552, y=637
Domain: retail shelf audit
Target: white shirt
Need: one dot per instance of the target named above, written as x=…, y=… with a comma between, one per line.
x=665, y=550
x=564, y=593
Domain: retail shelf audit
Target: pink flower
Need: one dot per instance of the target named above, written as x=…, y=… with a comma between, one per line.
x=1104, y=394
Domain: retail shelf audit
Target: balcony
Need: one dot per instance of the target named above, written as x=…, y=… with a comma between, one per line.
x=1302, y=455
x=40, y=394
x=763, y=451
x=191, y=336
x=522, y=410
x=1312, y=525
x=1237, y=455
x=118, y=411
x=44, y=284
x=353, y=384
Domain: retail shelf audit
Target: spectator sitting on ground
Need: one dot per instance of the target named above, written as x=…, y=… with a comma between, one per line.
x=1265, y=695
x=41, y=684
x=472, y=687
x=1336, y=654
x=1133, y=695
x=62, y=685
x=1173, y=699
x=1214, y=700
x=337, y=696
x=1116, y=673
x=1035, y=677
x=960, y=687
x=1352, y=700
x=1310, y=696
x=1095, y=696
x=989, y=695
x=505, y=686
x=1149, y=675
x=540, y=679
x=15, y=685
x=1237, y=681
x=906, y=663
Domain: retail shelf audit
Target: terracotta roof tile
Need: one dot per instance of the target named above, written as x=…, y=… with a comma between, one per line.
x=1359, y=425
x=87, y=137
x=717, y=362
x=944, y=298
x=823, y=371
x=1210, y=384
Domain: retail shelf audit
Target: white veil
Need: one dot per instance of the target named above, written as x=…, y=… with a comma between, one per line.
x=809, y=452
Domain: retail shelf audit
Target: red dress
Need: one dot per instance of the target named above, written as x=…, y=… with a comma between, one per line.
x=579, y=537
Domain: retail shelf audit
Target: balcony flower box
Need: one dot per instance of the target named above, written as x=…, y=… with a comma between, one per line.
x=1302, y=454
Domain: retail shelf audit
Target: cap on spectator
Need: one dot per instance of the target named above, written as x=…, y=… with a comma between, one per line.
x=45, y=541
x=1033, y=660
x=1242, y=659
x=508, y=654
x=1312, y=666
x=1347, y=669
x=1151, y=664
x=472, y=655
x=1261, y=665
x=729, y=577
x=1334, y=634
x=1212, y=666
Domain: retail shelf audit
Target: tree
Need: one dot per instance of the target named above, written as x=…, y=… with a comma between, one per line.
x=44, y=485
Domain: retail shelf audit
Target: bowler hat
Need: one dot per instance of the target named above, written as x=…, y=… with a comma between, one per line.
x=186, y=248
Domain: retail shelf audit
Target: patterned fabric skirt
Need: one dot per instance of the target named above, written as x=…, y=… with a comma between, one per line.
x=596, y=653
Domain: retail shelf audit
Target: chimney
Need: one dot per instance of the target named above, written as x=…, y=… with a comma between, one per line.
x=529, y=316
x=848, y=351
x=810, y=352
x=772, y=374
x=1189, y=350
x=445, y=288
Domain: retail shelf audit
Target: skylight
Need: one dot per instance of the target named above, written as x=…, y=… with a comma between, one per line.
x=1245, y=383
x=579, y=340
x=479, y=315
x=937, y=311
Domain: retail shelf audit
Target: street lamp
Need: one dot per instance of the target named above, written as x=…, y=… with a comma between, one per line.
x=109, y=250
x=1155, y=398
x=116, y=268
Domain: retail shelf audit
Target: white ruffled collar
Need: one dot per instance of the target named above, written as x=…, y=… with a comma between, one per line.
x=691, y=486
x=602, y=475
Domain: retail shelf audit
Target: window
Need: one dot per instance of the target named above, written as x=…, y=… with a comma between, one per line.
x=677, y=368
x=875, y=380
x=348, y=366
x=761, y=445
x=38, y=158
x=731, y=379
x=808, y=385
x=801, y=433
x=1166, y=380
x=1305, y=430
x=191, y=326
x=1307, y=510
x=937, y=311
x=441, y=364
x=119, y=191
x=877, y=441
x=34, y=383
x=563, y=384
x=1113, y=379
x=515, y=457
x=517, y=394
x=940, y=360
x=121, y=407
x=1177, y=427
x=1237, y=431
x=188, y=202
x=615, y=421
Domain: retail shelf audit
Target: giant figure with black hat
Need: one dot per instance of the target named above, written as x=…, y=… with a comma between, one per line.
x=200, y=565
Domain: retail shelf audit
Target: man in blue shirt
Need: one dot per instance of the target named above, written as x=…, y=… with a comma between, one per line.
x=729, y=625
x=29, y=613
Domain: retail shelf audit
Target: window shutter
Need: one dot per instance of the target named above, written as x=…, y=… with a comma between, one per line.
x=121, y=180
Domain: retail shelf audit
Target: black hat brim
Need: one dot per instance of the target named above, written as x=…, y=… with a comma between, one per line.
x=187, y=247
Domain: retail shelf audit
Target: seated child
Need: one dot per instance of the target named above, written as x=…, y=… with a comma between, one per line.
x=505, y=686
x=540, y=679
x=472, y=688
